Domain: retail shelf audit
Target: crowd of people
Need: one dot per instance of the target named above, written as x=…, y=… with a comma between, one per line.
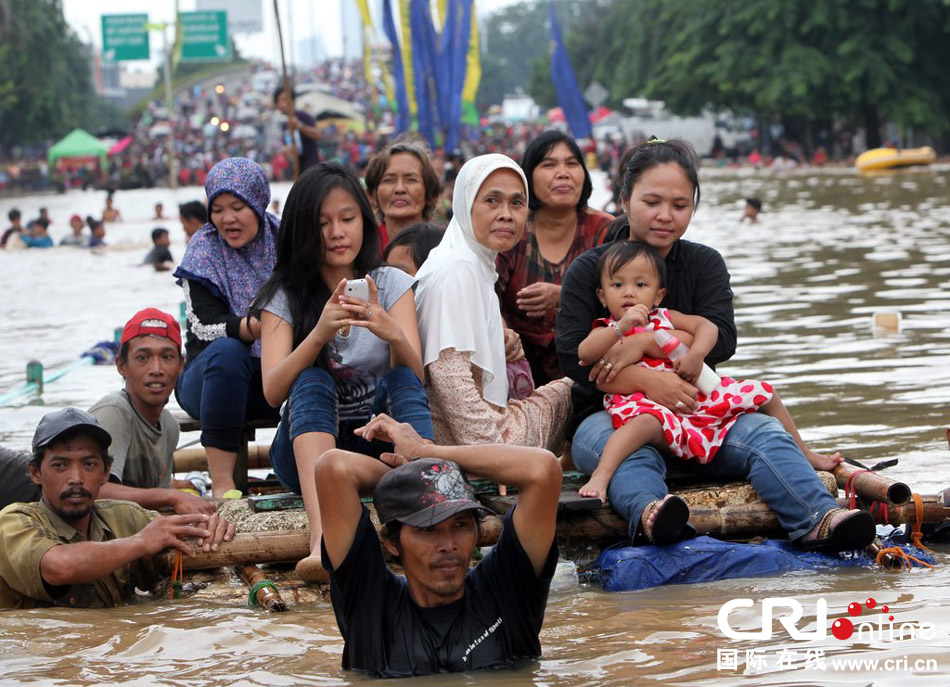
x=396, y=356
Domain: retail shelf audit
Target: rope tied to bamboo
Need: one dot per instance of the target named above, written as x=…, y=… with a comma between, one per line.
x=178, y=576
x=901, y=555
x=255, y=588
x=916, y=536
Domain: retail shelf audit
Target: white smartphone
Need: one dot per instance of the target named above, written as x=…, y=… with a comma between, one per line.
x=356, y=288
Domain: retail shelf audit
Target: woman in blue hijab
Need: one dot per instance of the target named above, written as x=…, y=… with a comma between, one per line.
x=225, y=264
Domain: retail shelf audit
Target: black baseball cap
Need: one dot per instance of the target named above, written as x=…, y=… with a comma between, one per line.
x=423, y=493
x=54, y=424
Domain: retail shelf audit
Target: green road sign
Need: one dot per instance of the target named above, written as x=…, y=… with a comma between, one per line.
x=204, y=36
x=124, y=37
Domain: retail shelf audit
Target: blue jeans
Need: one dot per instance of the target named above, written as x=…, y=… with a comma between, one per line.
x=222, y=388
x=312, y=407
x=757, y=448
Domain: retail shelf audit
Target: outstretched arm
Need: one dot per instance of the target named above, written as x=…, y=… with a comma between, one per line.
x=87, y=561
x=535, y=472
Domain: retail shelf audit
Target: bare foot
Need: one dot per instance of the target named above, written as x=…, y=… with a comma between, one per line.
x=819, y=461
x=596, y=487
x=310, y=569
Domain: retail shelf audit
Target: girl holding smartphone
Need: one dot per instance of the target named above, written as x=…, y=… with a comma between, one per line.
x=334, y=360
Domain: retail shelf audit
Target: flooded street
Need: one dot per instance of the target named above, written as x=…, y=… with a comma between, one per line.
x=830, y=250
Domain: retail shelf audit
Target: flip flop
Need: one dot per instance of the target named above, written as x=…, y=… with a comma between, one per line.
x=671, y=522
x=854, y=531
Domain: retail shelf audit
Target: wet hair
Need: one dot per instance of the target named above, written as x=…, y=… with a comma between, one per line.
x=622, y=253
x=280, y=89
x=194, y=209
x=537, y=149
x=93, y=222
x=414, y=145
x=754, y=202
x=158, y=232
x=301, y=250
x=642, y=158
x=421, y=238
x=64, y=438
x=13, y=215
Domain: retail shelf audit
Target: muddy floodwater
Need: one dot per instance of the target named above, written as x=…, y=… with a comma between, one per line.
x=831, y=250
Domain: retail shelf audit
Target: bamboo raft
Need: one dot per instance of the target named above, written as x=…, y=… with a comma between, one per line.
x=273, y=531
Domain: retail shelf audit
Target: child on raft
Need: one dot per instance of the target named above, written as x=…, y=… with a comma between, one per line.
x=632, y=285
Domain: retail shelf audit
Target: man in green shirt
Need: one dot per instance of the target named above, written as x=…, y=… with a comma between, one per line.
x=70, y=550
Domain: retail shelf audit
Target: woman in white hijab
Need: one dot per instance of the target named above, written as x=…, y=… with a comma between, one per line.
x=460, y=323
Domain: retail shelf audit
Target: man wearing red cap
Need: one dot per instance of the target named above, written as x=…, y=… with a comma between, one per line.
x=144, y=433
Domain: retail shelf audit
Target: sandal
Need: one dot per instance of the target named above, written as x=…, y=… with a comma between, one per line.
x=854, y=531
x=671, y=523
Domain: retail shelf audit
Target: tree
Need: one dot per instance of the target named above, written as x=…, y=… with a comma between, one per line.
x=803, y=62
x=513, y=39
x=45, y=84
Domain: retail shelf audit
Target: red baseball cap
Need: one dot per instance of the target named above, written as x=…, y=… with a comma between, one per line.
x=151, y=322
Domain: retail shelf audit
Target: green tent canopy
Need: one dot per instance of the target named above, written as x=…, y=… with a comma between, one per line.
x=79, y=146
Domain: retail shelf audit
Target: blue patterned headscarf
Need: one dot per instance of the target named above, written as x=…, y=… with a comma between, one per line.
x=234, y=276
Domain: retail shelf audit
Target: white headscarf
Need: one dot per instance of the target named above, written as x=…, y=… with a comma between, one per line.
x=456, y=299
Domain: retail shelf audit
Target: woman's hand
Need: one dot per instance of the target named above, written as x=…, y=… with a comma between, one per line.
x=513, y=349
x=621, y=354
x=672, y=391
x=334, y=319
x=538, y=299
x=371, y=315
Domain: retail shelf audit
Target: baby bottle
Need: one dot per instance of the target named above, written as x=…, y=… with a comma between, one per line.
x=675, y=349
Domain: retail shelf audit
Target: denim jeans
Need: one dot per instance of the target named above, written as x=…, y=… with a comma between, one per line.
x=222, y=388
x=757, y=448
x=312, y=407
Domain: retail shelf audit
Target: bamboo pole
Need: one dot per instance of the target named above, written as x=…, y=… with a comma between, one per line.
x=731, y=521
x=872, y=485
x=279, y=547
x=289, y=92
x=195, y=458
x=267, y=597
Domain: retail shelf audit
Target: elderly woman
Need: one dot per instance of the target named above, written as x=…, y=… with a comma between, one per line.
x=560, y=227
x=460, y=320
x=403, y=185
x=225, y=264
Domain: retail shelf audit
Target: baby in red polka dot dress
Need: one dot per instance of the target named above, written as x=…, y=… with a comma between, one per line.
x=632, y=276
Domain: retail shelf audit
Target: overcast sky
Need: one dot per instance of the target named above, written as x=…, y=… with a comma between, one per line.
x=323, y=16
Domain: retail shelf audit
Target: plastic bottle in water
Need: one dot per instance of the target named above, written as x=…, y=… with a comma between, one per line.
x=675, y=349
x=565, y=576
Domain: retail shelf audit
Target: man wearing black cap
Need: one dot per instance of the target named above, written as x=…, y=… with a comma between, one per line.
x=70, y=550
x=442, y=617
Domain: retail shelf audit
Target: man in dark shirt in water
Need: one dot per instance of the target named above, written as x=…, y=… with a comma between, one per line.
x=442, y=617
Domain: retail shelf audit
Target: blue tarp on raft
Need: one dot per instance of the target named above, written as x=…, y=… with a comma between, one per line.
x=705, y=559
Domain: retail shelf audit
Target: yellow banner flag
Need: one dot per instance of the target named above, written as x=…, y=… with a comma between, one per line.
x=473, y=74
x=407, y=69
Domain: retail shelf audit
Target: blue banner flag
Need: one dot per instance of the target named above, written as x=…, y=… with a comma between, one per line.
x=456, y=33
x=399, y=75
x=424, y=61
x=565, y=84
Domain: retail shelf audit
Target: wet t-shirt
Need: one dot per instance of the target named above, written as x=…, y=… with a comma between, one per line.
x=386, y=634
